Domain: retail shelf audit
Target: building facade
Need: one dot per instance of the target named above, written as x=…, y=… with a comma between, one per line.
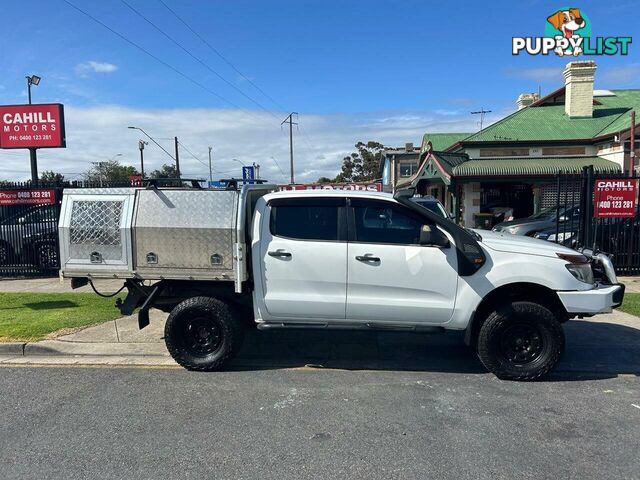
x=509, y=168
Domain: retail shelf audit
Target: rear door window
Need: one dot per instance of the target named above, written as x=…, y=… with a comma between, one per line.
x=318, y=219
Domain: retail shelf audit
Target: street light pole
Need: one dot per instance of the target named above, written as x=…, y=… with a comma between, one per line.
x=162, y=148
x=33, y=156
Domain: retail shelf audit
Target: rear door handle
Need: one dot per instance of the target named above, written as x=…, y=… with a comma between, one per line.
x=280, y=254
x=367, y=258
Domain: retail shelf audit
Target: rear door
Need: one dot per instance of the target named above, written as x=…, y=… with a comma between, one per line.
x=304, y=258
x=391, y=277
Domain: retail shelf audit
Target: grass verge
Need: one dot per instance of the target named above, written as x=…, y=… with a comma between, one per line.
x=32, y=316
x=631, y=304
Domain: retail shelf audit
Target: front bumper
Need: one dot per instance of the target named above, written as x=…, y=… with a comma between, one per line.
x=602, y=299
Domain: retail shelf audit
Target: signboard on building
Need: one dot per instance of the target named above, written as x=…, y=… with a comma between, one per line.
x=31, y=196
x=368, y=187
x=32, y=126
x=615, y=198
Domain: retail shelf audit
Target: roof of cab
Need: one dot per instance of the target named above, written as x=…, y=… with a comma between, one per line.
x=329, y=193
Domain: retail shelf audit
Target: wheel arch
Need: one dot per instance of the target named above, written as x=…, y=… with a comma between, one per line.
x=533, y=292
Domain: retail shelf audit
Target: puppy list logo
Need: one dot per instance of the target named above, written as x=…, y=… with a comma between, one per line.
x=568, y=33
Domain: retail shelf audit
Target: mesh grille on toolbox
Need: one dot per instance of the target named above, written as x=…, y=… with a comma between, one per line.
x=96, y=222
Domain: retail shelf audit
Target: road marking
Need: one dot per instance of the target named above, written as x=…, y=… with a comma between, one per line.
x=634, y=405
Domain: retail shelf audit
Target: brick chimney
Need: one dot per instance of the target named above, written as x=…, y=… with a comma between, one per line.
x=526, y=99
x=578, y=79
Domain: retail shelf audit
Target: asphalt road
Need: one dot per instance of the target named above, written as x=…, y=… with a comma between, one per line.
x=79, y=423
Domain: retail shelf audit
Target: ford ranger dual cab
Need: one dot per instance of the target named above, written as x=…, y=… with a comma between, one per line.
x=221, y=260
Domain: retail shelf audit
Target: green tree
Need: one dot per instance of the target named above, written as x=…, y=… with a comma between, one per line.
x=166, y=171
x=362, y=165
x=110, y=171
x=324, y=180
x=49, y=176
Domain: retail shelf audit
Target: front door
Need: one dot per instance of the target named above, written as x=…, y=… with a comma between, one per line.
x=304, y=255
x=391, y=277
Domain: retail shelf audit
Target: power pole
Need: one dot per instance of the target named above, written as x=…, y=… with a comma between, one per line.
x=177, y=159
x=481, y=112
x=210, y=170
x=141, y=144
x=291, y=123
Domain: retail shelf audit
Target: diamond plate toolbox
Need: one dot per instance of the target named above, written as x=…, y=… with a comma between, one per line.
x=184, y=233
x=95, y=232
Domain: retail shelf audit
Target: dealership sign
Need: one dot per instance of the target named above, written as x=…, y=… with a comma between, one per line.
x=32, y=126
x=32, y=196
x=615, y=198
x=367, y=187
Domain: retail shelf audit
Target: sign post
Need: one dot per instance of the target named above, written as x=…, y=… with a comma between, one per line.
x=615, y=198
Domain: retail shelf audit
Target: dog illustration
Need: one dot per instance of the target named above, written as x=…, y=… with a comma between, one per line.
x=567, y=21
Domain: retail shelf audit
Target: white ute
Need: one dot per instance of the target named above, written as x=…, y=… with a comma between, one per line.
x=219, y=261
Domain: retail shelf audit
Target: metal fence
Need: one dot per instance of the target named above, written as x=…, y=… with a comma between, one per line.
x=576, y=226
x=29, y=226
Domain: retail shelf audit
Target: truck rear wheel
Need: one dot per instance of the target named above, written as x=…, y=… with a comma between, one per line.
x=202, y=334
x=520, y=341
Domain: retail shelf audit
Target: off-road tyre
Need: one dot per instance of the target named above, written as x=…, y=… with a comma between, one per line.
x=520, y=341
x=202, y=334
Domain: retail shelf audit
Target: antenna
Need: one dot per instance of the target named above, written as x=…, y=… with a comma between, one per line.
x=481, y=112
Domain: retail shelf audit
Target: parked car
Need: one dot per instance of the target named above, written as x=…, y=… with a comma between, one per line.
x=544, y=220
x=433, y=204
x=220, y=260
x=30, y=237
x=567, y=237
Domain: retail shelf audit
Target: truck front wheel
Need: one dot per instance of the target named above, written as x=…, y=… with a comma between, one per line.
x=520, y=341
x=202, y=334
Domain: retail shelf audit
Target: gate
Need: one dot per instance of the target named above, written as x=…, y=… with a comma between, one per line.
x=576, y=226
x=29, y=216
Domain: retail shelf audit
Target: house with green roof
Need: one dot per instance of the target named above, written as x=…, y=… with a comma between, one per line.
x=512, y=165
x=400, y=164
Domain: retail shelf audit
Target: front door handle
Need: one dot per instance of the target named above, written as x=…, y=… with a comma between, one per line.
x=367, y=258
x=279, y=254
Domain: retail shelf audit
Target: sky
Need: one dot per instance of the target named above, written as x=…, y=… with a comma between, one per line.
x=226, y=73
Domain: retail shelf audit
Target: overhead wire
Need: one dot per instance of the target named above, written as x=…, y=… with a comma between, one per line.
x=197, y=59
x=155, y=57
x=219, y=54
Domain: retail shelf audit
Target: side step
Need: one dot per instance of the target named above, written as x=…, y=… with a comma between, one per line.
x=350, y=326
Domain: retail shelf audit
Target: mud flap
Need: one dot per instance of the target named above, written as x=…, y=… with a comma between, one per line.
x=135, y=297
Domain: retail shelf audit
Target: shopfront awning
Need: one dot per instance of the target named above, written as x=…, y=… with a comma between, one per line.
x=531, y=167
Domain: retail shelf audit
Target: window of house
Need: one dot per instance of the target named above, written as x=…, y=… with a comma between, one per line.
x=408, y=169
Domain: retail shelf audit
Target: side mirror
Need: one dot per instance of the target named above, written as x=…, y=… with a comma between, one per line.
x=432, y=237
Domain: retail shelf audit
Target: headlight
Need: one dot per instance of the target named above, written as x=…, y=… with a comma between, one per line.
x=561, y=237
x=582, y=272
x=511, y=230
x=578, y=266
